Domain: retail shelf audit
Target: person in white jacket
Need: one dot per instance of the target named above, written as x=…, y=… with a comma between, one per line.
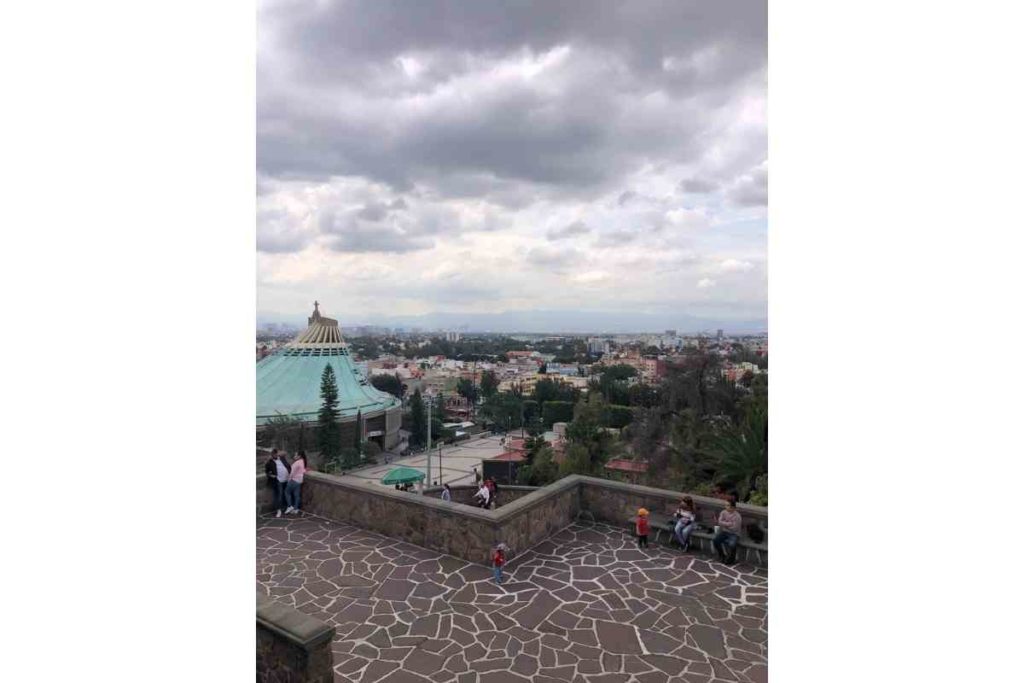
x=484, y=494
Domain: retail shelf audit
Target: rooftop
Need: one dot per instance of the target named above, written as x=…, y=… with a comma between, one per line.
x=288, y=382
x=583, y=605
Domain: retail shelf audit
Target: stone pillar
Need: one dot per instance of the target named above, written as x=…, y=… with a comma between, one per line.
x=291, y=646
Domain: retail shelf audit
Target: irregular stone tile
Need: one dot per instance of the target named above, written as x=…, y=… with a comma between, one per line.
x=670, y=665
x=609, y=678
x=610, y=662
x=403, y=676
x=425, y=626
x=758, y=673
x=525, y=665
x=377, y=669
x=652, y=677
x=502, y=677
x=536, y=611
x=422, y=662
x=564, y=673
x=709, y=639
x=395, y=589
x=493, y=664
x=617, y=638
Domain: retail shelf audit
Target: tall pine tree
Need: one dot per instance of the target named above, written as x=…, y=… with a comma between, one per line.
x=418, y=428
x=359, y=431
x=329, y=432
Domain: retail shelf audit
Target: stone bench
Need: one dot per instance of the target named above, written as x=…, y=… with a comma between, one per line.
x=701, y=538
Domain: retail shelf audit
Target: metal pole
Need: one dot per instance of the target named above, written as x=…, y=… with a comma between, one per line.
x=430, y=405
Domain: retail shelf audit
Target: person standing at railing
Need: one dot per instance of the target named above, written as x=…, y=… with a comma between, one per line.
x=727, y=535
x=277, y=470
x=293, y=490
x=446, y=493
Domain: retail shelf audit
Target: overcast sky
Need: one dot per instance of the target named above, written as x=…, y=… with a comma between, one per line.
x=471, y=156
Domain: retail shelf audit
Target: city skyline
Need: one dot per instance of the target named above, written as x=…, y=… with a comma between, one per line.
x=540, y=322
x=428, y=159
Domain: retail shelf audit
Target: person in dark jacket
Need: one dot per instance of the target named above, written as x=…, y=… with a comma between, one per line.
x=277, y=470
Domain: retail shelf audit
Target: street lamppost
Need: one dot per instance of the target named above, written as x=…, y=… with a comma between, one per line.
x=430, y=405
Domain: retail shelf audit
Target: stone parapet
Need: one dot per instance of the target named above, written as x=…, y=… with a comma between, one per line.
x=464, y=493
x=470, y=533
x=291, y=647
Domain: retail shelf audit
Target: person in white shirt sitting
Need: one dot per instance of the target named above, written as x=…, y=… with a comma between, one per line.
x=484, y=494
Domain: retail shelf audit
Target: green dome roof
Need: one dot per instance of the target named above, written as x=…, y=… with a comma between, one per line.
x=288, y=382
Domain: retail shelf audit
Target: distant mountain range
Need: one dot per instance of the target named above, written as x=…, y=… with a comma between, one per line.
x=551, y=322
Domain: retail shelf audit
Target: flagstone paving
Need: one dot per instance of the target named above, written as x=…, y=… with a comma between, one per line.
x=585, y=605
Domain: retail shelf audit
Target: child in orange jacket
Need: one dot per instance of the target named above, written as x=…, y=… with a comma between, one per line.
x=643, y=527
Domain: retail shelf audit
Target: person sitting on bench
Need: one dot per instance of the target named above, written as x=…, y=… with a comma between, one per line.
x=686, y=522
x=730, y=525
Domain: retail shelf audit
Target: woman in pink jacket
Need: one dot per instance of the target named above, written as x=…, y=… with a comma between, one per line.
x=293, y=490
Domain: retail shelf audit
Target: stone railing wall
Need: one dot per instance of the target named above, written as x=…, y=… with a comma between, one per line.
x=460, y=530
x=264, y=495
x=615, y=502
x=464, y=494
x=291, y=647
x=523, y=521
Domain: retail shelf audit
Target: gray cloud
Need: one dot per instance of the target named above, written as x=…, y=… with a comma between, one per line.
x=697, y=186
x=278, y=232
x=573, y=229
x=752, y=189
x=335, y=98
x=460, y=133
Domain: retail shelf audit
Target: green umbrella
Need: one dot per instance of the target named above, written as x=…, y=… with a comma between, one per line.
x=402, y=475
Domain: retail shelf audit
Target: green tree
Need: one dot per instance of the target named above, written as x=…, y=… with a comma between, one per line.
x=418, y=420
x=467, y=390
x=504, y=410
x=742, y=450
x=759, y=496
x=556, y=411
x=541, y=470
x=287, y=432
x=488, y=383
x=617, y=416
x=589, y=444
x=553, y=389
x=358, y=433
x=328, y=427
x=349, y=458
x=389, y=383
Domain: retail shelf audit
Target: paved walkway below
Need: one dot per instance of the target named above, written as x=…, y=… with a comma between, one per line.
x=585, y=605
x=455, y=466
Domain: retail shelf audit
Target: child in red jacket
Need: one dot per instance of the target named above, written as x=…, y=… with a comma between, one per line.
x=499, y=561
x=643, y=527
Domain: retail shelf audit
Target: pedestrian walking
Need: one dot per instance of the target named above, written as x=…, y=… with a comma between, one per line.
x=446, y=493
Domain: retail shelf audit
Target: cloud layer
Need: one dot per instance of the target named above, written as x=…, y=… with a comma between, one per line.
x=466, y=156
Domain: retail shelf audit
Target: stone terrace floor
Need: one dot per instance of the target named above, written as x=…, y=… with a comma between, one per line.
x=585, y=605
